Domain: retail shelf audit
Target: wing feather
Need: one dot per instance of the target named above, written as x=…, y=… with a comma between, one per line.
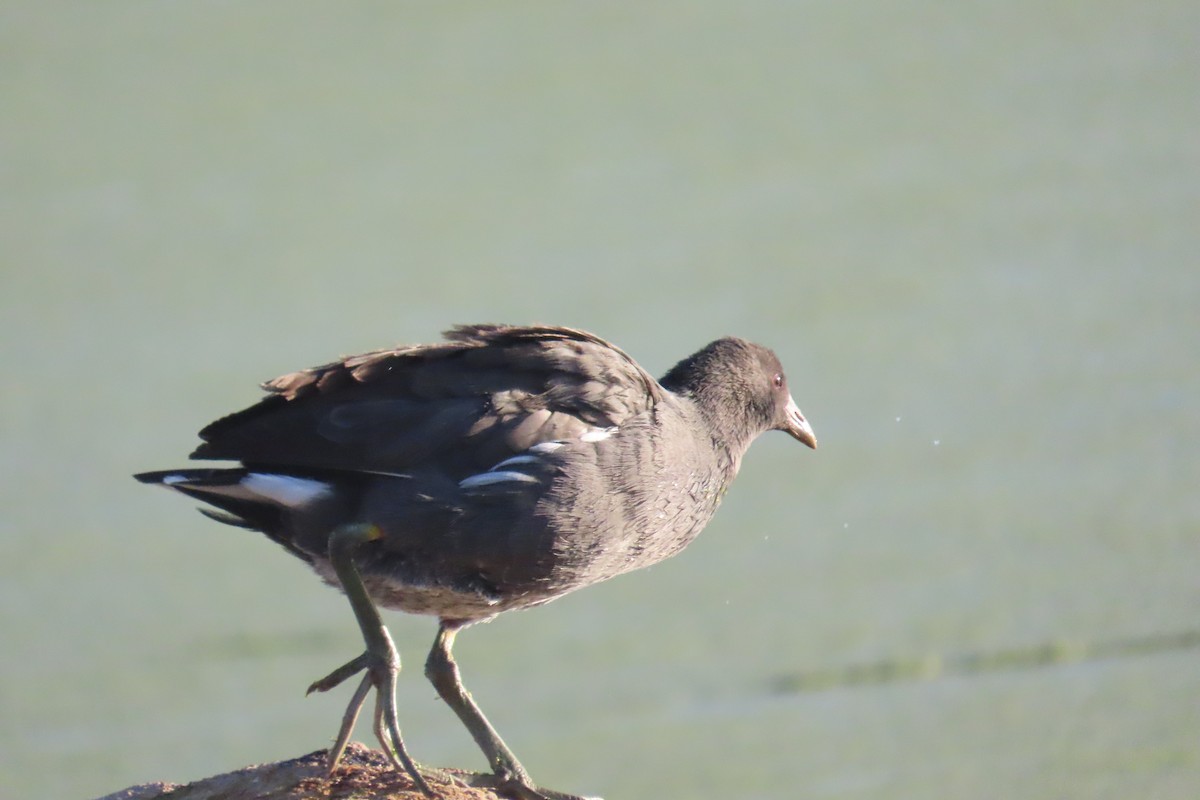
x=484, y=394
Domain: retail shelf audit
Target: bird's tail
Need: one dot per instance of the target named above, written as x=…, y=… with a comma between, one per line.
x=245, y=498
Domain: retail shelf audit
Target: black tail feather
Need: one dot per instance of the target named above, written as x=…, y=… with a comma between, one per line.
x=242, y=512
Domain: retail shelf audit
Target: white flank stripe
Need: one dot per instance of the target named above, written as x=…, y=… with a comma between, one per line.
x=286, y=490
x=488, y=478
x=171, y=480
x=512, y=462
x=547, y=447
x=597, y=434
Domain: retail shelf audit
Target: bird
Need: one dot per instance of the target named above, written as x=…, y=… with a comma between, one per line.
x=498, y=469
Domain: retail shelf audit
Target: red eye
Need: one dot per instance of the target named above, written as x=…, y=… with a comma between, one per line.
x=778, y=380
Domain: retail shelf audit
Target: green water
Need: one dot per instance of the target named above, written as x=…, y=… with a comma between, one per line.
x=969, y=231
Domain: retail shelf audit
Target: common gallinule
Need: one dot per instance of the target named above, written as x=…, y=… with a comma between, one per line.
x=499, y=469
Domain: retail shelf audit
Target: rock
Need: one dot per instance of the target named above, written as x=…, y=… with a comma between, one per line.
x=362, y=774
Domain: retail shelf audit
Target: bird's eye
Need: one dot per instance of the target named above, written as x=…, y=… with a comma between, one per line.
x=778, y=380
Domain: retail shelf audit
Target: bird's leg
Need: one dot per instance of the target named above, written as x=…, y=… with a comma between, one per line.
x=508, y=775
x=380, y=659
x=443, y=673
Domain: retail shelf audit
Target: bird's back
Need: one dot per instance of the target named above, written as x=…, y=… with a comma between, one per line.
x=459, y=406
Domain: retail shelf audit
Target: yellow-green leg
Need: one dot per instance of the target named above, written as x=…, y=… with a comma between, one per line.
x=508, y=776
x=380, y=660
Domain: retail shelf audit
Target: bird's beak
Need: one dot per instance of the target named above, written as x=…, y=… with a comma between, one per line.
x=797, y=425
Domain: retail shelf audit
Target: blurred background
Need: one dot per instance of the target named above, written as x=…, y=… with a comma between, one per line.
x=970, y=232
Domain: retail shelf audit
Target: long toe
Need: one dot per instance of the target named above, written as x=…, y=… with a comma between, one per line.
x=341, y=674
x=382, y=669
x=519, y=791
x=512, y=787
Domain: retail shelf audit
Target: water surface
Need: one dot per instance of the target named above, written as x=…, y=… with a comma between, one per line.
x=969, y=232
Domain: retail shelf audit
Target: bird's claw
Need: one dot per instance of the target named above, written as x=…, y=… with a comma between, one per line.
x=511, y=786
x=381, y=672
x=339, y=675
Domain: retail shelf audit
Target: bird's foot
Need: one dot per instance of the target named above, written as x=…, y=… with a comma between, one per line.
x=382, y=666
x=511, y=786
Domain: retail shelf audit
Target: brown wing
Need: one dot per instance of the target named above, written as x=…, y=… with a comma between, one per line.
x=459, y=406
